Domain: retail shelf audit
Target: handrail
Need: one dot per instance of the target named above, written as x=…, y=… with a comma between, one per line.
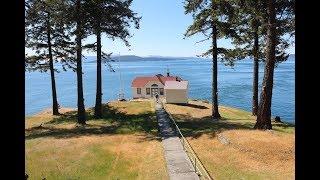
x=196, y=162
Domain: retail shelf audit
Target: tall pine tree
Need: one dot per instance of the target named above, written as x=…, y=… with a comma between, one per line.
x=80, y=21
x=248, y=37
x=279, y=23
x=75, y=19
x=46, y=35
x=114, y=18
x=210, y=17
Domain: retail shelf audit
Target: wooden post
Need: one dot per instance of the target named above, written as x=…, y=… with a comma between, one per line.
x=195, y=164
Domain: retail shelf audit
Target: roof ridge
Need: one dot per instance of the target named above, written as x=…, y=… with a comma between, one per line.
x=160, y=79
x=141, y=81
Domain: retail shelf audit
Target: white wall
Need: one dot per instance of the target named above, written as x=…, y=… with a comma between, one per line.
x=134, y=92
x=176, y=95
x=143, y=90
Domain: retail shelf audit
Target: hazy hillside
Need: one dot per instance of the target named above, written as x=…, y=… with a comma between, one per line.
x=124, y=58
x=92, y=59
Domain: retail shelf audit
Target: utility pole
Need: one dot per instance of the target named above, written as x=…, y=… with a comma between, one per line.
x=121, y=94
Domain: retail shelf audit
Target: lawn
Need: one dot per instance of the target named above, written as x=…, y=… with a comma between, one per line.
x=124, y=144
x=230, y=148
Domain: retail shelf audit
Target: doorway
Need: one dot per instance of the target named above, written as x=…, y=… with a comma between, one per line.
x=154, y=91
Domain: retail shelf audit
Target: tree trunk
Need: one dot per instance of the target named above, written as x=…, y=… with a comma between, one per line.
x=255, y=71
x=98, y=106
x=215, y=109
x=55, y=108
x=81, y=108
x=264, y=111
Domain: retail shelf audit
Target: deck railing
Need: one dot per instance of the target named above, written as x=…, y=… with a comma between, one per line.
x=196, y=162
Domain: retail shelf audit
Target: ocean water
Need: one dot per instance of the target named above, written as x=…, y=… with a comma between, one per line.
x=234, y=84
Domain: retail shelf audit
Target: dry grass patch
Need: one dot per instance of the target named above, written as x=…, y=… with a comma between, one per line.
x=95, y=157
x=132, y=107
x=249, y=154
x=44, y=116
x=122, y=145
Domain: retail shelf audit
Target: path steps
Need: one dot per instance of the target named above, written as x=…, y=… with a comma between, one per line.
x=178, y=163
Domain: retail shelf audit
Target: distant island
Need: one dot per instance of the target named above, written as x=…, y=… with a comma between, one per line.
x=125, y=58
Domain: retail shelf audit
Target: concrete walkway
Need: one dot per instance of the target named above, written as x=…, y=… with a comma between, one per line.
x=178, y=164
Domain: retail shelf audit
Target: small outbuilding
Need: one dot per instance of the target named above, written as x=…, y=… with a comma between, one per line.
x=176, y=92
x=149, y=86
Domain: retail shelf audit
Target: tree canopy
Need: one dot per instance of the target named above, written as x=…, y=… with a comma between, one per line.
x=43, y=18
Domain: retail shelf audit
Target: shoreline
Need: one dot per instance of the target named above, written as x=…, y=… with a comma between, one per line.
x=66, y=109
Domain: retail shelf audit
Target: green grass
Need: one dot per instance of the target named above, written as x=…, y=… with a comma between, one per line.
x=64, y=167
x=114, y=121
x=121, y=145
x=124, y=143
x=63, y=163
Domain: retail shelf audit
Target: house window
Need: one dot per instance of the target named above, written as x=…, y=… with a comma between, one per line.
x=154, y=85
x=138, y=90
x=148, y=91
x=161, y=91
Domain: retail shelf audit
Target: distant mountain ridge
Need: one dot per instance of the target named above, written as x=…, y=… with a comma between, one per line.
x=125, y=58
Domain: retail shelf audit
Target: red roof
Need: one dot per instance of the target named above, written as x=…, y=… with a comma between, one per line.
x=142, y=81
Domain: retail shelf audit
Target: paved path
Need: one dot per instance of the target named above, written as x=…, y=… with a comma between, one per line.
x=178, y=164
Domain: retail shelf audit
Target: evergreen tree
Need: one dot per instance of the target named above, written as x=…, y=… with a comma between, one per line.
x=112, y=17
x=46, y=35
x=211, y=19
x=250, y=25
x=75, y=21
x=279, y=23
x=80, y=33
x=248, y=37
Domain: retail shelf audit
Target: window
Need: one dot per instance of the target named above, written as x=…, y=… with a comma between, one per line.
x=148, y=91
x=161, y=91
x=138, y=90
x=154, y=85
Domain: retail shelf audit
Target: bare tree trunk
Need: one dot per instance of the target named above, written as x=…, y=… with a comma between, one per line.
x=255, y=71
x=55, y=108
x=81, y=108
x=215, y=108
x=264, y=111
x=98, y=106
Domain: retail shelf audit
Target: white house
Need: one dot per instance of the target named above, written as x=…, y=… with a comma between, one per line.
x=149, y=86
x=176, y=91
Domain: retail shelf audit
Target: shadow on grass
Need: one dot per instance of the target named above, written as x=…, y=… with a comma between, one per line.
x=195, y=127
x=283, y=125
x=191, y=105
x=112, y=122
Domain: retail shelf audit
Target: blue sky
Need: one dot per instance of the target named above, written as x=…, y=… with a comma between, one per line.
x=161, y=32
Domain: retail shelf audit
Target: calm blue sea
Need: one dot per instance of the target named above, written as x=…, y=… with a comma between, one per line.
x=234, y=84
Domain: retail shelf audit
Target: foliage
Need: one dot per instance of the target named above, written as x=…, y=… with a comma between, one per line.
x=110, y=17
x=43, y=19
x=210, y=17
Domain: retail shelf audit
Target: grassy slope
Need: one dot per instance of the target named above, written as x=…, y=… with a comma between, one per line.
x=250, y=154
x=122, y=145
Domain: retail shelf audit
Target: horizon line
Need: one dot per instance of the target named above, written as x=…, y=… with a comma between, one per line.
x=162, y=56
